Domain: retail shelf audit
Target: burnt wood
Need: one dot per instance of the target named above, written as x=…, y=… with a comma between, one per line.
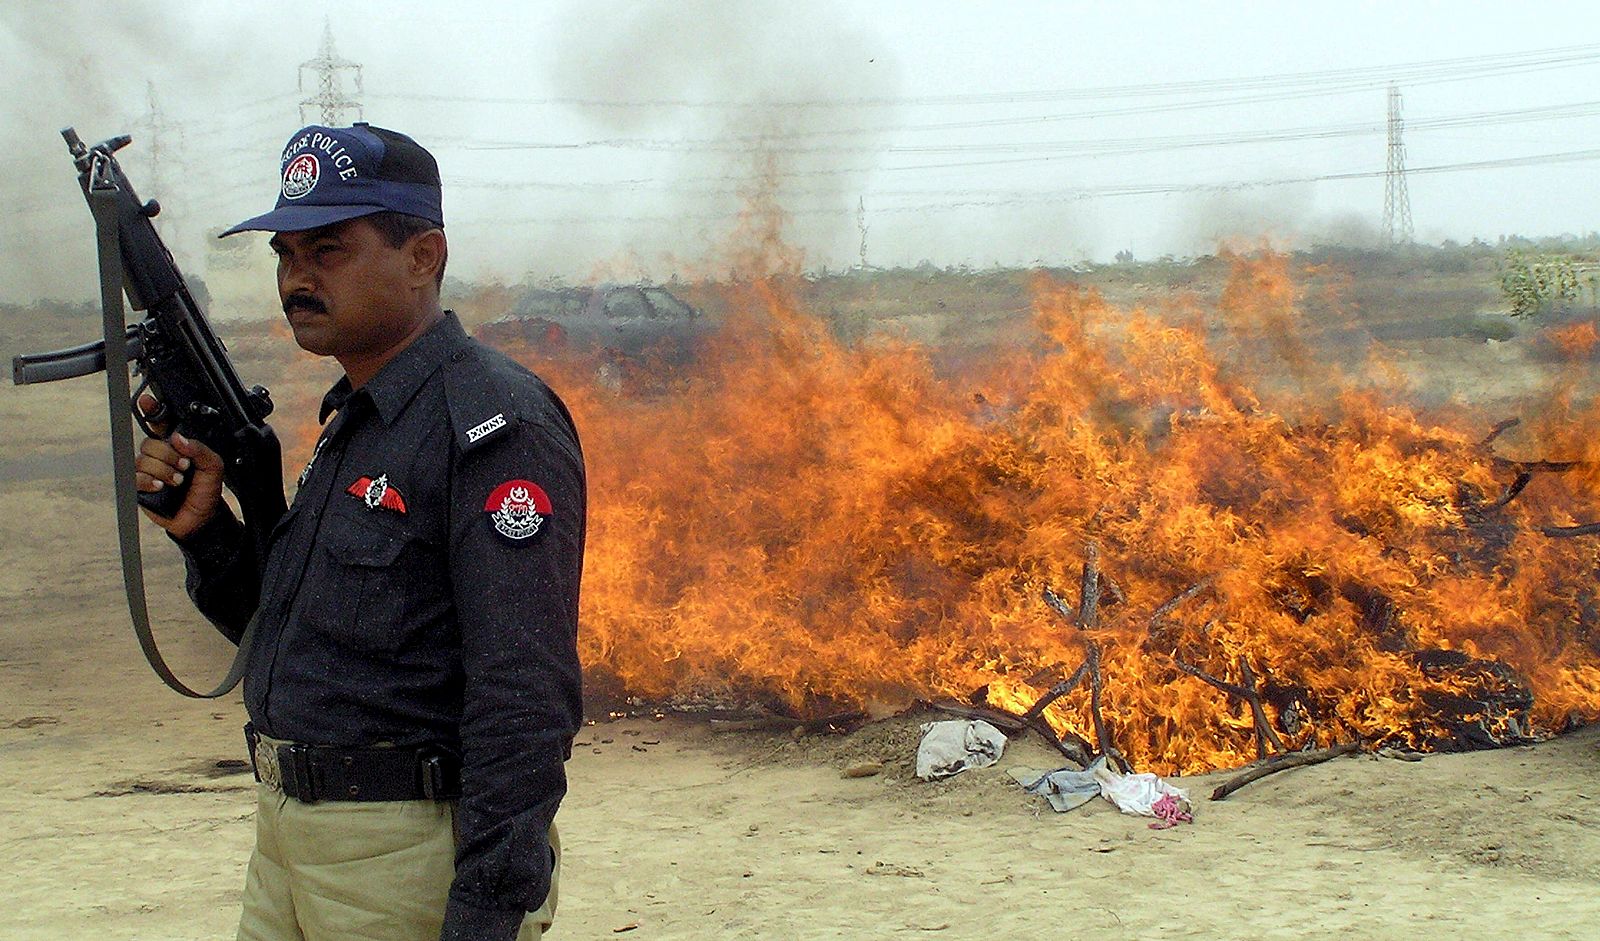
x=1267, y=740
x=999, y=718
x=1512, y=490
x=1057, y=691
x=1567, y=532
x=1276, y=763
x=1171, y=604
x=1059, y=605
x=1102, y=731
x=1499, y=428
x=1089, y=589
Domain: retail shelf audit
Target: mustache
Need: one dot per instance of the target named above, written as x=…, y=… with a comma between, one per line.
x=304, y=302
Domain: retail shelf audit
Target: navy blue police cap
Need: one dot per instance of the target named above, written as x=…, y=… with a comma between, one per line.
x=331, y=174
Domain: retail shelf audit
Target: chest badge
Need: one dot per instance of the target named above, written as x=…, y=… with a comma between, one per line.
x=376, y=493
x=517, y=508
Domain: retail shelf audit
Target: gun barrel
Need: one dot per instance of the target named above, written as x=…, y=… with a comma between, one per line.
x=70, y=363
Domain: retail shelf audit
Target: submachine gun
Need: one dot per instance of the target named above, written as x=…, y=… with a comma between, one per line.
x=180, y=360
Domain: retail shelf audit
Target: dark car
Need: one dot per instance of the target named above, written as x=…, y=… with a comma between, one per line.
x=626, y=319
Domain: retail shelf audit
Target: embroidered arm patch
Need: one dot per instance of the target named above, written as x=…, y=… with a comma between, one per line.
x=517, y=508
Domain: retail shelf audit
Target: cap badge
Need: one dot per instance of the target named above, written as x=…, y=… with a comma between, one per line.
x=300, y=176
x=378, y=493
x=517, y=508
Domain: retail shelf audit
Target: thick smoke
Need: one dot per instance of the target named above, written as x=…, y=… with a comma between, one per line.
x=1280, y=215
x=97, y=67
x=1284, y=216
x=751, y=85
x=64, y=66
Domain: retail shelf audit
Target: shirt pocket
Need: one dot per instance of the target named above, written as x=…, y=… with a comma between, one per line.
x=378, y=584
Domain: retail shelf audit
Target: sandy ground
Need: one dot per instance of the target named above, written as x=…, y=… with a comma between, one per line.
x=127, y=816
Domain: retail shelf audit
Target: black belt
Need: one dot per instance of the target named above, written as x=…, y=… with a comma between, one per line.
x=311, y=773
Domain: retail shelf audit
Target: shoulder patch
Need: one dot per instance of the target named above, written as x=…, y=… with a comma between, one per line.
x=481, y=409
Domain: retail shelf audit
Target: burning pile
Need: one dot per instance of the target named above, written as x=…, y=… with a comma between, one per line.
x=828, y=526
x=817, y=526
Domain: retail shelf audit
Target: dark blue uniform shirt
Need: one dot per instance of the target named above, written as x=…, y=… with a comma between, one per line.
x=423, y=589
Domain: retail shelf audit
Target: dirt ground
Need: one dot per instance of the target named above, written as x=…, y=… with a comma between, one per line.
x=128, y=813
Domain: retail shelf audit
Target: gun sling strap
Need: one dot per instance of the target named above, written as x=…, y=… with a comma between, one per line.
x=103, y=204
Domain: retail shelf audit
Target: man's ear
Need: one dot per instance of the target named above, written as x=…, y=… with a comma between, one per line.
x=425, y=256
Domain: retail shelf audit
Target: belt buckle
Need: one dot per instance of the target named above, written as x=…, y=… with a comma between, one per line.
x=267, y=768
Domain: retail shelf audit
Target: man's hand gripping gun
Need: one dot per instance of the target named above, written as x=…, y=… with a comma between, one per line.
x=180, y=361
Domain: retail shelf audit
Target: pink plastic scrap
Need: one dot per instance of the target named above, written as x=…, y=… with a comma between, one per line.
x=1169, y=812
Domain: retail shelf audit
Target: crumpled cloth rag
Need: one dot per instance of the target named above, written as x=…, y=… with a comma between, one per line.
x=953, y=746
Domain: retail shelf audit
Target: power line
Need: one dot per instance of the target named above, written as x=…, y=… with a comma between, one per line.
x=1069, y=147
x=1348, y=79
x=1081, y=194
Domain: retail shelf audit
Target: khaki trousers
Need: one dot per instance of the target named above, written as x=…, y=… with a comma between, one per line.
x=359, y=870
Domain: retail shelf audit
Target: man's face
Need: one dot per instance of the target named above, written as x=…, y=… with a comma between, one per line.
x=345, y=290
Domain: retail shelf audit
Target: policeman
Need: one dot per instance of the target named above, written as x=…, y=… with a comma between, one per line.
x=413, y=679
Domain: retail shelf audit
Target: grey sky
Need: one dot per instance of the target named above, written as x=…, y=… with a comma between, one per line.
x=609, y=139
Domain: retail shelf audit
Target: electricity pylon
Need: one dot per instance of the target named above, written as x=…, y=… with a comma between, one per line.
x=330, y=96
x=1396, y=198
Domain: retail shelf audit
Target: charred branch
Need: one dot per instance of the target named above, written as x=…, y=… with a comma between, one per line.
x=1567, y=532
x=1267, y=740
x=1532, y=467
x=1076, y=747
x=1067, y=743
x=1059, y=605
x=1524, y=474
x=1056, y=692
x=1102, y=732
x=1539, y=467
x=1089, y=593
x=1171, y=604
x=1499, y=429
x=1512, y=490
x=1265, y=734
x=1232, y=689
x=1282, y=762
x=1086, y=619
x=999, y=718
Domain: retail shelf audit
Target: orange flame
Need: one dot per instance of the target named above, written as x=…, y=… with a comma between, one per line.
x=1576, y=340
x=803, y=521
